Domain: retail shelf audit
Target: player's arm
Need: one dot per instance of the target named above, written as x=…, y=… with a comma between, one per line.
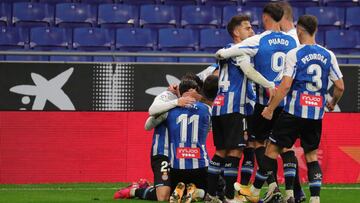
x=166, y=101
x=210, y=70
x=339, y=87
x=285, y=85
x=152, y=121
x=248, y=47
x=244, y=63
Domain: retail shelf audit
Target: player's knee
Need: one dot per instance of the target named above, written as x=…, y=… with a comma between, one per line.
x=311, y=156
x=221, y=153
x=272, y=151
x=163, y=194
x=234, y=153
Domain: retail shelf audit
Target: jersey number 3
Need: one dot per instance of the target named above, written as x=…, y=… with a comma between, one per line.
x=184, y=122
x=314, y=68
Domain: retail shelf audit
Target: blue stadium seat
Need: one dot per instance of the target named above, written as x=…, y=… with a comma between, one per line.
x=49, y=38
x=200, y=16
x=352, y=18
x=111, y=59
x=328, y=17
x=173, y=39
x=71, y=58
x=297, y=12
x=75, y=15
x=138, y=2
x=354, y=61
x=5, y=14
x=156, y=59
x=214, y=39
x=53, y=2
x=343, y=3
x=135, y=39
x=117, y=15
x=253, y=12
x=26, y=58
x=341, y=52
x=303, y=3
x=33, y=14
x=196, y=59
x=14, y=1
x=320, y=38
x=221, y=2
x=13, y=38
x=159, y=16
x=97, y=1
x=181, y=2
x=93, y=39
x=342, y=40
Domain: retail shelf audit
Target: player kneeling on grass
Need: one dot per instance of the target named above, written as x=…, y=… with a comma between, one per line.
x=188, y=128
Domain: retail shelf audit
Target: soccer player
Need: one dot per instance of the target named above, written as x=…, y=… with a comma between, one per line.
x=160, y=162
x=292, y=181
x=306, y=76
x=229, y=112
x=268, y=50
x=188, y=129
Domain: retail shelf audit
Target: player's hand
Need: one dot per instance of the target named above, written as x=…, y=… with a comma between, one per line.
x=267, y=113
x=219, y=54
x=185, y=101
x=173, y=88
x=330, y=106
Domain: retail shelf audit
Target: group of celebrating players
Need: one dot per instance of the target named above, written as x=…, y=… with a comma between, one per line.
x=259, y=120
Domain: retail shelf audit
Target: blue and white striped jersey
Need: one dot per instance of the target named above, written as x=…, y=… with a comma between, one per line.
x=268, y=49
x=233, y=85
x=310, y=66
x=250, y=99
x=160, y=141
x=188, y=129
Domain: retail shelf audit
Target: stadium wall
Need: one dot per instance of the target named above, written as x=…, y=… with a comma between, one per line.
x=84, y=123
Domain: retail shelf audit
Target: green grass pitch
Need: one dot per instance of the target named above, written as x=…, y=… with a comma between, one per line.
x=103, y=192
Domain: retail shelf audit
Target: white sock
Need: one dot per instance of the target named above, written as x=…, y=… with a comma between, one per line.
x=272, y=186
x=132, y=192
x=315, y=199
x=255, y=191
x=200, y=193
x=289, y=193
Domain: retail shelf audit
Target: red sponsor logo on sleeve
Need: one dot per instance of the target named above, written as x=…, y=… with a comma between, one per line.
x=311, y=100
x=219, y=100
x=187, y=153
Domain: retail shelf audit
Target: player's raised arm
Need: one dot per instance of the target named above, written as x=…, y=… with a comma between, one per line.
x=248, y=47
x=152, y=122
x=339, y=87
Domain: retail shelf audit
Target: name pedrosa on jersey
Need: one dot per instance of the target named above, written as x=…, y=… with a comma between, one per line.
x=310, y=57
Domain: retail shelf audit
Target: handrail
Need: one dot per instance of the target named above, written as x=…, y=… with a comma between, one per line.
x=114, y=54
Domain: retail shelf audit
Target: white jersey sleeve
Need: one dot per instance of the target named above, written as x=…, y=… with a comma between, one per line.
x=163, y=103
x=152, y=122
x=290, y=63
x=206, y=72
x=248, y=47
x=335, y=73
x=293, y=34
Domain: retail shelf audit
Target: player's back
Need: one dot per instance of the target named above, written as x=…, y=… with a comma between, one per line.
x=160, y=141
x=312, y=65
x=188, y=129
x=269, y=59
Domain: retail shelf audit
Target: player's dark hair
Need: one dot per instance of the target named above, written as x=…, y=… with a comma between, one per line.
x=309, y=23
x=194, y=77
x=210, y=87
x=236, y=21
x=274, y=10
x=288, y=12
x=187, y=84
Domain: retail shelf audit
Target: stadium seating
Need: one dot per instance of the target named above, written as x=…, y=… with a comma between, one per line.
x=32, y=14
x=200, y=16
x=253, y=12
x=49, y=38
x=181, y=2
x=352, y=18
x=354, y=61
x=97, y=1
x=75, y=15
x=338, y=40
x=196, y=59
x=220, y=2
x=159, y=16
x=111, y=59
x=328, y=17
x=26, y=58
x=55, y=1
x=71, y=58
x=304, y=3
x=13, y=38
x=5, y=14
x=117, y=15
x=156, y=59
x=93, y=39
x=320, y=38
x=138, y=2
x=214, y=39
x=135, y=39
x=172, y=39
x=340, y=2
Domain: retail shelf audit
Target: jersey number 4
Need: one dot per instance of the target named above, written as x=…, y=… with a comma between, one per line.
x=184, y=121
